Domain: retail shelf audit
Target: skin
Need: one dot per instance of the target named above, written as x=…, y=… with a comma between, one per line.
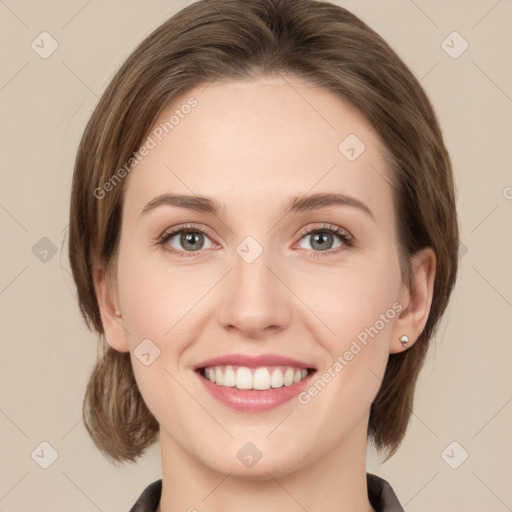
x=251, y=145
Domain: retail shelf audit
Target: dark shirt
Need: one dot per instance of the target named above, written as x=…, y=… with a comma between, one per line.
x=380, y=493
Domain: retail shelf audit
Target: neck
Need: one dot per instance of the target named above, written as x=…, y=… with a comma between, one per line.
x=335, y=480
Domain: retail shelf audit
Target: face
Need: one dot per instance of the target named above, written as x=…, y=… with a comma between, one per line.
x=279, y=293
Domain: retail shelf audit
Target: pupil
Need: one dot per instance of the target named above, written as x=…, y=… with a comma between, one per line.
x=321, y=237
x=188, y=240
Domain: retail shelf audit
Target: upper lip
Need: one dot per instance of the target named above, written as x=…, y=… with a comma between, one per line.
x=252, y=361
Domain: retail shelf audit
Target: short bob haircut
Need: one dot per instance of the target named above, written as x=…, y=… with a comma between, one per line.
x=217, y=40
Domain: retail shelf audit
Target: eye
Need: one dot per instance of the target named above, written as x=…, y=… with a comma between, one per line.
x=322, y=239
x=189, y=239
x=186, y=239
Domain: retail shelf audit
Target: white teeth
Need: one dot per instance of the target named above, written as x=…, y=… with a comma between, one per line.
x=288, y=377
x=219, y=378
x=277, y=379
x=243, y=378
x=229, y=377
x=261, y=379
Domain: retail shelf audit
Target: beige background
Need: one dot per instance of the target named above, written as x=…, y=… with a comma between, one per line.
x=464, y=393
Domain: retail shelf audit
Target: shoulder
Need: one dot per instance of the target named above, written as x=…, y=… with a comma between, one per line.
x=149, y=499
x=381, y=495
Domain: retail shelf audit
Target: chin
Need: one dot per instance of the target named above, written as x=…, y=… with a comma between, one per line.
x=273, y=465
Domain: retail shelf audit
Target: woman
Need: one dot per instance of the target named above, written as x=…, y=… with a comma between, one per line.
x=263, y=232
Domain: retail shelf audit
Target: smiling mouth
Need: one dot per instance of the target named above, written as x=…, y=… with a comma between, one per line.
x=260, y=379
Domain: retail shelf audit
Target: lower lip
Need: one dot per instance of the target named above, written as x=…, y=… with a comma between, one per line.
x=252, y=400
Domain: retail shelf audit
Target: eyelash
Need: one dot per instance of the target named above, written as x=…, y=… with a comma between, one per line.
x=346, y=238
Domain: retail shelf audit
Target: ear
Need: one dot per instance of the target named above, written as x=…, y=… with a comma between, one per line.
x=107, y=296
x=416, y=300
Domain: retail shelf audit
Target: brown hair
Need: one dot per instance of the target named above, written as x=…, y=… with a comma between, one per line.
x=234, y=39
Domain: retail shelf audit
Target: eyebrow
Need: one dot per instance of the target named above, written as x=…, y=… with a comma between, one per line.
x=295, y=204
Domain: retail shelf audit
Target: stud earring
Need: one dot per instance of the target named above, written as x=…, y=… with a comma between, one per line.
x=118, y=313
x=404, y=340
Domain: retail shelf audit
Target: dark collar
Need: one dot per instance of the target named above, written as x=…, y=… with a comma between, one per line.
x=380, y=493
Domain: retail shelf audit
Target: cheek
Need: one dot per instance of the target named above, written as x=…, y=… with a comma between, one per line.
x=156, y=297
x=159, y=303
x=349, y=299
x=359, y=307
x=159, y=299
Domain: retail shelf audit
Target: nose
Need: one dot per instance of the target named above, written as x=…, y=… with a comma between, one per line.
x=254, y=299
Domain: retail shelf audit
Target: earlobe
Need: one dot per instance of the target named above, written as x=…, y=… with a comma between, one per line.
x=111, y=317
x=416, y=299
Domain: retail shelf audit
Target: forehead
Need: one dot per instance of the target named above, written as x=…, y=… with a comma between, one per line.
x=252, y=144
